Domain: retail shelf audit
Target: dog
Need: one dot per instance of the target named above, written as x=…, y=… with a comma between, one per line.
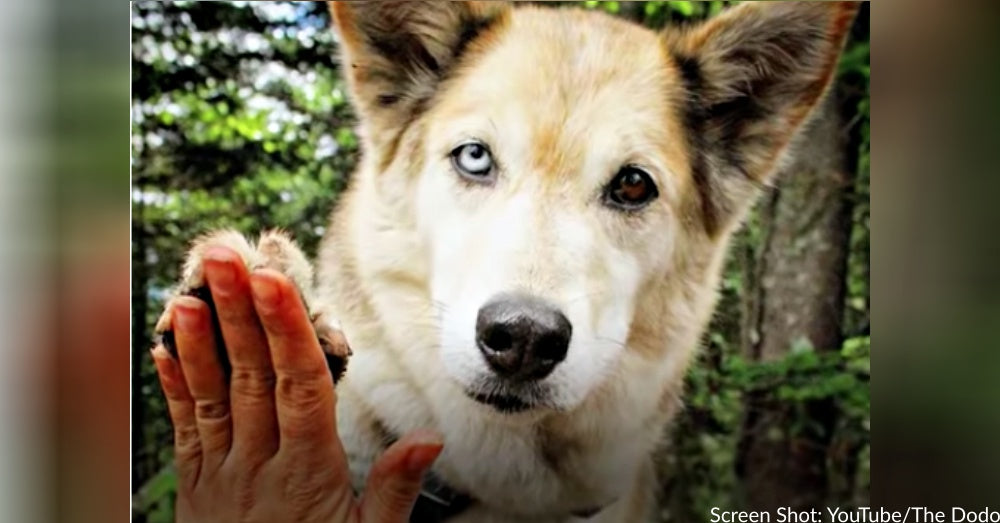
x=530, y=248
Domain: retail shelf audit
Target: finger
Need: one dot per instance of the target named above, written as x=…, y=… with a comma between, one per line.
x=180, y=404
x=395, y=479
x=251, y=382
x=304, y=395
x=203, y=373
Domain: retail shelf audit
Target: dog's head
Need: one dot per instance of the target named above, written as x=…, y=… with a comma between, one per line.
x=556, y=169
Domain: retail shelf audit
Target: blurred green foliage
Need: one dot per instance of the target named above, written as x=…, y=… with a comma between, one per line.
x=240, y=120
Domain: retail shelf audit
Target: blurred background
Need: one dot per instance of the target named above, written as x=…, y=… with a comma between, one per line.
x=239, y=118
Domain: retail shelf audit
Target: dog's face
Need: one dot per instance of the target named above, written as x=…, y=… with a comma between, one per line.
x=557, y=163
x=548, y=196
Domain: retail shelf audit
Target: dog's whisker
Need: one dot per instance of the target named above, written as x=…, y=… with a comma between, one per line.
x=439, y=304
x=620, y=343
x=586, y=295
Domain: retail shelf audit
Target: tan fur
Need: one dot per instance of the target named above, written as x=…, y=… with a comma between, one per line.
x=563, y=98
x=786, y=41
x=274, y=250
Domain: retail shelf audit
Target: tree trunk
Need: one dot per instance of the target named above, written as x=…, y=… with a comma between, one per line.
x=795, y=293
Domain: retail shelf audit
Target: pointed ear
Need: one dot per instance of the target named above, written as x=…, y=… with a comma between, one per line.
x=395, y=53
x=752, y=76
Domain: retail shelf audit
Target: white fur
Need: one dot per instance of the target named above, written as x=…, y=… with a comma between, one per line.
x=427, y=249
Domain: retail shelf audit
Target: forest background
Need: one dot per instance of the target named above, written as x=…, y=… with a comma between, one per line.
x=240, y=119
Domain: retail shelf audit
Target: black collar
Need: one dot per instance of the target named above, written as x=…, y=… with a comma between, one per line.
x=437, y=501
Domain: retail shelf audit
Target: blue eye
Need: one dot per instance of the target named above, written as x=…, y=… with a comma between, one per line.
x=473, y=160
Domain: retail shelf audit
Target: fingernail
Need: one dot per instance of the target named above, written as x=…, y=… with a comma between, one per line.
x=265, y=291
x=163, y=323
x=164, y=365
x=424, y=436
x=219, y=269
x=421, y=458
x=187, y=315
x=159, y=352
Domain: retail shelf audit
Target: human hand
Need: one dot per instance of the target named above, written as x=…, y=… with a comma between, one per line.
x=264, y=445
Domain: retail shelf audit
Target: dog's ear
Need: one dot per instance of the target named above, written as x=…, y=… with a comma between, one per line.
x=395, y=52
x=752, y=76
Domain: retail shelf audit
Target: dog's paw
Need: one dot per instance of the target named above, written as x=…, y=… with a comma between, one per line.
x=274, y=250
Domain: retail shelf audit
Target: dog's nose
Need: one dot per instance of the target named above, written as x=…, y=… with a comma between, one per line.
x=522, y=337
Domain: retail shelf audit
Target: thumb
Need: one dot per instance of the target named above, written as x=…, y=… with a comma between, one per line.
x=395, y=479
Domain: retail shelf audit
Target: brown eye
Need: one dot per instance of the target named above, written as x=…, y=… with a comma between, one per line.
x=630, y=189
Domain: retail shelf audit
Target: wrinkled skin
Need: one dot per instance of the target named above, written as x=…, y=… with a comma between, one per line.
x=263, y=446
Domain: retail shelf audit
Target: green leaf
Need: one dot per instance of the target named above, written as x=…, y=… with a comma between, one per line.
x=855, y=59
x=685, y=8
x=346, y=138
x=158, y=488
